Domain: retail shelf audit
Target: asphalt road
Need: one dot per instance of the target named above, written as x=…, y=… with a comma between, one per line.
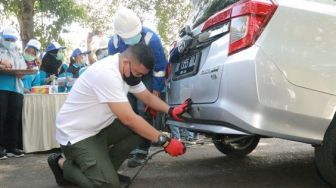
x=275, y=163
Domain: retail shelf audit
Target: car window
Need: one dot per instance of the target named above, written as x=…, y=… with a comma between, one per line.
x=203, y=9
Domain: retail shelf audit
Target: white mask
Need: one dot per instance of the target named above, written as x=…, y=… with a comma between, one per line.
x=134, y=40
x=9, y=45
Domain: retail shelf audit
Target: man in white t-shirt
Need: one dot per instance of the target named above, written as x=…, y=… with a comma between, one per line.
x=97, y=127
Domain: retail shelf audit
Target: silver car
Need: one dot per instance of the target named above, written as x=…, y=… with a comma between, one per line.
x=260, y=68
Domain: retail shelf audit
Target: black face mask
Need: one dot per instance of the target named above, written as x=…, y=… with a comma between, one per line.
x=132, y=80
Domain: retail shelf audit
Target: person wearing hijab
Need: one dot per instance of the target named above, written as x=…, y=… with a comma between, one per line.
x=62, y=79
x=52, y=62
x=30, y=55
x=11, y=94
x=78, y=61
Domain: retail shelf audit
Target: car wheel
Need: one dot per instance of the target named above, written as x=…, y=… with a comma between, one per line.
x=325, y=157
x=236, y=146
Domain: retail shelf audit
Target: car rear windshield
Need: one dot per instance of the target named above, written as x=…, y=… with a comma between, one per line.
x=203, y=9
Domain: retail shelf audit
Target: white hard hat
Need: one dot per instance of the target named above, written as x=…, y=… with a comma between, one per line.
x=126, y=23
x=10, y=33
x=34, y=43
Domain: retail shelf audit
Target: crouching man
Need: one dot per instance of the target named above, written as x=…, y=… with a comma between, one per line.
x=96, y=126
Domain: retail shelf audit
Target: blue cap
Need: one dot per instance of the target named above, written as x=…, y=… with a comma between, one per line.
x=9, y=37
x=10, y=33
x=54, y=46
x=79, y=51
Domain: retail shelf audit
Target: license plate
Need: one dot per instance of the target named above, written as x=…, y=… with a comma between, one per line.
x=187, y=67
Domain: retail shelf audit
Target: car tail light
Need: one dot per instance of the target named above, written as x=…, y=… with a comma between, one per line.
x=247, y=20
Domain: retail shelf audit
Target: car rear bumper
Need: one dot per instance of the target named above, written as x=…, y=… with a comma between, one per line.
x=207, y=128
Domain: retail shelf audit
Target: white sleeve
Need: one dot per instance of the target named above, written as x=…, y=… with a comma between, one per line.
x=15, y=58
x=108, y=87
x=137, y=88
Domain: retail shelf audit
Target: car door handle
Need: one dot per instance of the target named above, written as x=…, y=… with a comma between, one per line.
x=215, y=69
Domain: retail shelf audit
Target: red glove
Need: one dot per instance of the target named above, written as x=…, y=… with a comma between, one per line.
x=176, y=112
x=175, y=148
x=151, y=111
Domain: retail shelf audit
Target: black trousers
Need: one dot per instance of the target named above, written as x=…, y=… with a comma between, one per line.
x=10, y=117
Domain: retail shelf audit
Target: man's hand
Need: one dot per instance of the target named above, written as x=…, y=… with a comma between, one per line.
x=176, y=112
x=175, y=148
x=172, y=146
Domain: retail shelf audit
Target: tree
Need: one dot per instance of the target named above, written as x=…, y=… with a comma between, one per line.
x=171, y=15
x=99, y=14
x=24, y=11
x=26, y=19
x=43, y=19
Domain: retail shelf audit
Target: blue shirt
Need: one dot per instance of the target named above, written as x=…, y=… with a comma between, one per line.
x=117, y=45
x=9, y=83
x=31, y=80
x=73, y=72
x=44, y=76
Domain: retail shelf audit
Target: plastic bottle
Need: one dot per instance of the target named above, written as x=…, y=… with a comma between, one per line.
x=54, y=86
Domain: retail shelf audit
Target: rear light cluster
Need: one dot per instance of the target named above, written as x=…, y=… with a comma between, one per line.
x=247, y=20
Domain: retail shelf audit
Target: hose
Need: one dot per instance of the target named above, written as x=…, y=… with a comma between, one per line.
x=142, y=166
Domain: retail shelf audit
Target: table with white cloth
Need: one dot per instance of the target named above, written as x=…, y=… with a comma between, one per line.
x=38, y=121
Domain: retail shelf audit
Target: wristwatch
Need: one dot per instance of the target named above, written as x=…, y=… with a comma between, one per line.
x=163, y=140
